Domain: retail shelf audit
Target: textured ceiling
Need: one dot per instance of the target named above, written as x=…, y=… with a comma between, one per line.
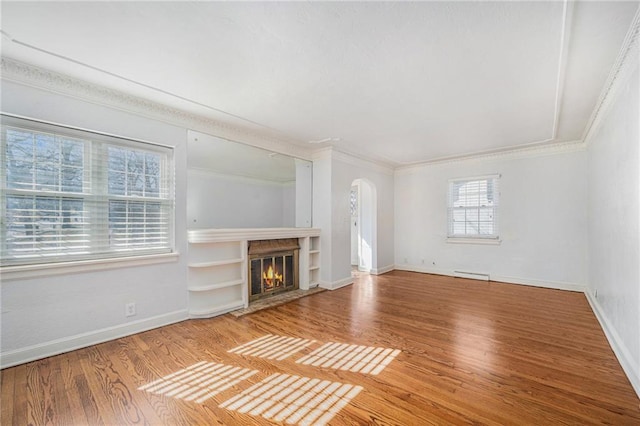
x=398, y=82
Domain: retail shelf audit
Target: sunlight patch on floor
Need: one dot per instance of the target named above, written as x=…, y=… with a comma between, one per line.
x=272, y=347
x=355, y=358
x=199, y=382
x=294, y=399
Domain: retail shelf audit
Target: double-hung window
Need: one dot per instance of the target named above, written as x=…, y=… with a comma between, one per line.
x=70, y=194
x=473, y=208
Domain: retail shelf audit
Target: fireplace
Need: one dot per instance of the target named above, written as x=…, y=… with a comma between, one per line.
x=273, y=267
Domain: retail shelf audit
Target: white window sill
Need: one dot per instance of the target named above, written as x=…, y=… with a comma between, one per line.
x=466, y=240
x=48, y=269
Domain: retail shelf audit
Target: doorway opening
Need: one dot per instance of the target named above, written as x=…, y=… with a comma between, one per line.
x=362, y=206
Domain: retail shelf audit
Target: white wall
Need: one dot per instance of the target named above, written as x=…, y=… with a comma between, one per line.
x=542, y=220
x=614, y=229
x=332, y=179
x=322, y=218
x=225, y=201
x=303, y=194
x=49, y=314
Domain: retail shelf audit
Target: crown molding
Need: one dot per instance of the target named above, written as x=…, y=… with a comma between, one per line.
x=344, y=157
x=322, y=153
x=351, y=159
x=530, y=150
x=565, y=39
x=622, y=69
x=33, y=76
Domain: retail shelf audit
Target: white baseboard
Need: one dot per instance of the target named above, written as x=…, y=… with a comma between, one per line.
x=471, y=275
x=58, y=346
x=336, y=284
x=383, y=270
x=556, y=285
x=630, y=367
x=219, y=310
x=421, y=269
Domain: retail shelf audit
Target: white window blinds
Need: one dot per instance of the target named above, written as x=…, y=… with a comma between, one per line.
x=69, y=194
x=473, y=207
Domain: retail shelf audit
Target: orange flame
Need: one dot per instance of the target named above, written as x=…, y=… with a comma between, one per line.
x=271, y=278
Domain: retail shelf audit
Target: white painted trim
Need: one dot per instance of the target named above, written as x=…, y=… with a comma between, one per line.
x=567, y=19
x=423, y=270
x=322, y=153
x=620, y=71
x=535, y=149
x=196, y=236
x=353, y=159
x=66, y=344
x=40, y=78
x=471, y=275
x=383, y=270
x=631, y=368
x=359, y=161
x=468, y=240
x=556, y=285
x=20, y=272
x=218, y=310
x=337, y=284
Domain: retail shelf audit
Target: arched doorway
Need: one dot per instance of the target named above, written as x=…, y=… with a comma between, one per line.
x=363, y=225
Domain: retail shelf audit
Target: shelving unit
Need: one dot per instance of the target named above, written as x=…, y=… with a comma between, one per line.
x=217, y=275
x=218, y=266
x=314, y=261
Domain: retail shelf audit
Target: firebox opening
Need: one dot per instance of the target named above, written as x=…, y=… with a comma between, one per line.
x=273, y=267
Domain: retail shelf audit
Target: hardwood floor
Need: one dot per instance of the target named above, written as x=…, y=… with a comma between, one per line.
x=469, y=352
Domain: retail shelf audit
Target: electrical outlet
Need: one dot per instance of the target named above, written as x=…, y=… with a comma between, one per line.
x=130, y=309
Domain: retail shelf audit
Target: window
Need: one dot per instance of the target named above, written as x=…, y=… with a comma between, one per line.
x=473, y=205
x=353, y=201
x=69, y=195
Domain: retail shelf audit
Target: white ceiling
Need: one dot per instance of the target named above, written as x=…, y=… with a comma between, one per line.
x=395, y=81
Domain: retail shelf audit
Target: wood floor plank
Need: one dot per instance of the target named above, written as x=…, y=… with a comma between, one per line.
x=68, y=372
x=470, y=352
x=7, y=390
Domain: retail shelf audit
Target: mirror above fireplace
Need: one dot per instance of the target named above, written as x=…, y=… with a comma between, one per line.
x=234, y=185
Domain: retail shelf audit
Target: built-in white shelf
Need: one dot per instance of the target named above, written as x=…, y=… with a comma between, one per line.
x=218, y=266
x=216, y=263
x=217, y=286
x=314, y=261
x=219, y=235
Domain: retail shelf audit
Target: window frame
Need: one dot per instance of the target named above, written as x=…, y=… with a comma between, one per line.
x=474, y=238
x=95, y=197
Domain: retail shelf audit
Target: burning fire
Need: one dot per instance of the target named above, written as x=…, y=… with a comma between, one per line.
x=272, y=278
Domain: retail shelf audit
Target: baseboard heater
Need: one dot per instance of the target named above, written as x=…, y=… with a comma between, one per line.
x=471, y=275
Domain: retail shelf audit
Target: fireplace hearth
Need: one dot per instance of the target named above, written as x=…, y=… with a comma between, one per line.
x=273, y=267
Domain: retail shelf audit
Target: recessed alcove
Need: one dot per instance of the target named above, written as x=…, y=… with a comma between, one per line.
x=219, y=265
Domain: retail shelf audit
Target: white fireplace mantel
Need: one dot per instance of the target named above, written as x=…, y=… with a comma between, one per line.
x=218, y=235
x=218, y=263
